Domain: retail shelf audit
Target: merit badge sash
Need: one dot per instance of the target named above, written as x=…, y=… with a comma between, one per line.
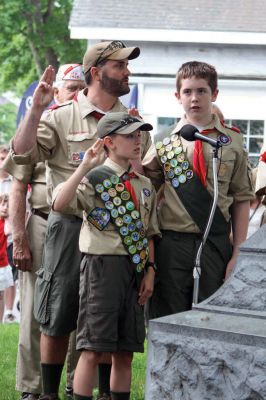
x=119, y=208
x=179, y=173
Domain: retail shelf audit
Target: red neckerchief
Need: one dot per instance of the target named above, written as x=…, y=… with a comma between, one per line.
x=126, y=179
x=97, y=115
x=199, y=166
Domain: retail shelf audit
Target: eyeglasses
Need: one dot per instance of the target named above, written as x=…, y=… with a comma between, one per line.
x=114, y=45
x=124, y=122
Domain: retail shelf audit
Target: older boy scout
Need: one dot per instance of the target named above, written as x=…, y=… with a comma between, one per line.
x=116, y=237
x=184, y=169
x=28, y=245
x=61, y=137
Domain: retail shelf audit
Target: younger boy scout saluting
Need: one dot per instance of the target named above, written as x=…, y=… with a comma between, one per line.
x=116, y=237
x=185, y=169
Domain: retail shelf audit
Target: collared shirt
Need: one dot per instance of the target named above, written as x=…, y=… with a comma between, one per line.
x=35, y=175
x=64, y=134
x=234, y=177
x=108, y=241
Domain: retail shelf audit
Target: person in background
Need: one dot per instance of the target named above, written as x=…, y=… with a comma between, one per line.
x=6, y=278
x=257, y=208
x=28, y=246
x=10, y=292
x=216, y=110
x=257, y=215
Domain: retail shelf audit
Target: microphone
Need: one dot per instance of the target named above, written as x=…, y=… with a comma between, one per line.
x=191, y=133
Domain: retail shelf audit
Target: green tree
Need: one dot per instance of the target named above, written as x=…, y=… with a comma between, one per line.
x=8, y=113
x=34, y=34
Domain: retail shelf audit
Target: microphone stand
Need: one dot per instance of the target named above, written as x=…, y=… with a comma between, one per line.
x=197, y=267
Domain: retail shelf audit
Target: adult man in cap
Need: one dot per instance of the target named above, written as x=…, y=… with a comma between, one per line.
x=28, y=243
x=61, y=137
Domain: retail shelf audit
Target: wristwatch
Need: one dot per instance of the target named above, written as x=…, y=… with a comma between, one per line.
x=152, y=265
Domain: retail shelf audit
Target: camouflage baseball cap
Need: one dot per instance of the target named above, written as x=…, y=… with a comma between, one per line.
x=121, y=123
x=115, y=50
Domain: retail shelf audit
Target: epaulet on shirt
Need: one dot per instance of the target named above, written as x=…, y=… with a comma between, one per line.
x=66, y=103
x=56, y=106
x=233, y=128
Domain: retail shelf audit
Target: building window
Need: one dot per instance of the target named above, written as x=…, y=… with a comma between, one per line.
x=253, y=133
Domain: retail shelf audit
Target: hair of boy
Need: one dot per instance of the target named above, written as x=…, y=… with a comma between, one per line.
x=197, y=69
x=4, y=198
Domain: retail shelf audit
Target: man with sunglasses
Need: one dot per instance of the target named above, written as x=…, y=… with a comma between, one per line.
x=61, y=136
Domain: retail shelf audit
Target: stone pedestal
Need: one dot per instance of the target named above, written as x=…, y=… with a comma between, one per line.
x=217, y=351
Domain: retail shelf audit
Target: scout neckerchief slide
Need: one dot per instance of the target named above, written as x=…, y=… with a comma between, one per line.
x=119, y=207
x=178, y=172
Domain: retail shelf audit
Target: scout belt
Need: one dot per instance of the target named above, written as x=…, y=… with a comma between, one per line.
x=178, y=172
x=120, y=209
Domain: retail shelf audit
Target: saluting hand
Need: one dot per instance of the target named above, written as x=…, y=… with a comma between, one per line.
x=94, y=155
x=44, y=92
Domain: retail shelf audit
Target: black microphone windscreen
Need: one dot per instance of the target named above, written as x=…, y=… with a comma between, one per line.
x=188, y=132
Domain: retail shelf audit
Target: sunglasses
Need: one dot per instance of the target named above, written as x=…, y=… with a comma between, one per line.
x=124, y=122
x=114, y=45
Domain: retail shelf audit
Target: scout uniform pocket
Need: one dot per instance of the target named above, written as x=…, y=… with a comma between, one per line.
x=41, y=296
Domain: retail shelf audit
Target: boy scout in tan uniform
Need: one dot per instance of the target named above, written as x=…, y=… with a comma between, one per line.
x=116, y=236
x=28, y=246
x=185, y=196
x=63, y=136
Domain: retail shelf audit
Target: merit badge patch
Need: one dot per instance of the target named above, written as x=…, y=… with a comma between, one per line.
x=224, y=139
x=99, y=217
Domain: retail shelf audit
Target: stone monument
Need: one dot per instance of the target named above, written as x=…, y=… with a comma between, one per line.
x=217, y=351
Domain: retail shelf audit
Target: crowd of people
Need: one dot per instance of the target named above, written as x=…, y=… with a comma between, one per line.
x=114, y=220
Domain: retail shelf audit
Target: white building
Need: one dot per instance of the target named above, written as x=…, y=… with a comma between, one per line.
x=230, y=34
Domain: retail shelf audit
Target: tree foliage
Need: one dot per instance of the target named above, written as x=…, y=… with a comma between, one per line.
x=34, y=34
x=7, y=122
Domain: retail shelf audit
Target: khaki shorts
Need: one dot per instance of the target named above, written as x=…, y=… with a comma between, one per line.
x=110, y=318
x=57, y=286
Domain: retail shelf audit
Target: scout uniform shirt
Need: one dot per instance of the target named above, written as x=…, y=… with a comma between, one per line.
x=35, y=175
x=64, y=134
x=108, y=241
x=234, y=176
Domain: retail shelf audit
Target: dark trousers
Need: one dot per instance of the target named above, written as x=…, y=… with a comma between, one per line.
x=175, y=258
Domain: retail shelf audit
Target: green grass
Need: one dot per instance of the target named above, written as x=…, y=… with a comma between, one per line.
x=8, y=353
